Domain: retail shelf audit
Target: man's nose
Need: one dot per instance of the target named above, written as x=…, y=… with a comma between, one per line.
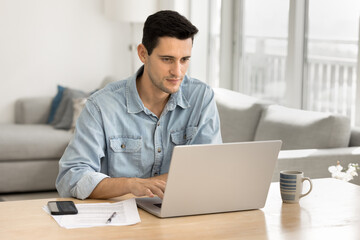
x=176, y=69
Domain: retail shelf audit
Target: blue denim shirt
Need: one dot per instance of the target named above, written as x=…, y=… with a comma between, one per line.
x=117, y=136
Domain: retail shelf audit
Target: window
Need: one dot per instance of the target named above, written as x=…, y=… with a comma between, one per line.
x=299, y=53
x=330, y=77
x=264, y=49
x=214, y=43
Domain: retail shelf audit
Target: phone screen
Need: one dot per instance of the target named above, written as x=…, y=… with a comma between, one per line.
x=62, y=207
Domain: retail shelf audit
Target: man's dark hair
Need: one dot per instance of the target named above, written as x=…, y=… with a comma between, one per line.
x=166, y=23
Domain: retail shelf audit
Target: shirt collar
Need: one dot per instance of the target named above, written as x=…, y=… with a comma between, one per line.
x=178, y=99
x=134, y=103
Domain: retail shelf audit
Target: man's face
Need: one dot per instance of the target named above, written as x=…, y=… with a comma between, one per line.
x=168, y=63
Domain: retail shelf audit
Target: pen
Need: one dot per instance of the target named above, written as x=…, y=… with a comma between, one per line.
x=111, y=217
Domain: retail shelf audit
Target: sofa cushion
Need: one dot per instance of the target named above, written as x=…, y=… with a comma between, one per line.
x=300, y=129
x=78, y=106
x=64, y=114
x=239, y=115
x=24, y=176
x=32, y=110
x=32, y=141
x=355, y=137
x=55, y=103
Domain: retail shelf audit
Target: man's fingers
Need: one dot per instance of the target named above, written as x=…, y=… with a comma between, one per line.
x=148, y=187
x=148, y=193
x=161, y=184
x=153, y=192
x=158, y=189
x=158, y=192
x=160, y=195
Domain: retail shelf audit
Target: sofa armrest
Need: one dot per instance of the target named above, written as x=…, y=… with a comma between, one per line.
x=34, y=110
x=315, y=162
x=355, y=137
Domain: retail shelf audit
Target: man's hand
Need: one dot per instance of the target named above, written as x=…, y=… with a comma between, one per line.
x=161, y=177
x=115, y=187
x=147, y=187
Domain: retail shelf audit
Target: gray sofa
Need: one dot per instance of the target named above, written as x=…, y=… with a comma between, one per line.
x=30, y=149
x=312, y=141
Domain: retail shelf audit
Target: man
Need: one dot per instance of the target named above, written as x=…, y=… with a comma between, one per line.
x=126, y=133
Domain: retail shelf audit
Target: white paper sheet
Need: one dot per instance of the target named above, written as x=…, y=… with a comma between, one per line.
x=96, y=214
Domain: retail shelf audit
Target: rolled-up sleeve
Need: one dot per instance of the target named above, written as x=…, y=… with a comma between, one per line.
x=80, y=166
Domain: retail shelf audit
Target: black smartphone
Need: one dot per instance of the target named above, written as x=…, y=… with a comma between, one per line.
x=62, y=207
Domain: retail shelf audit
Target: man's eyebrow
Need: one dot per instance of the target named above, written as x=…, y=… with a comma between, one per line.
x=166, y=56
x=169, y=56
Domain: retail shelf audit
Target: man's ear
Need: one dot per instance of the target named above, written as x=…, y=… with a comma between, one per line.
x=142, y=52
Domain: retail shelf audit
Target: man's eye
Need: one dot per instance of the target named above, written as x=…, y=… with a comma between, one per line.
x=166, y=59
x=185, y=60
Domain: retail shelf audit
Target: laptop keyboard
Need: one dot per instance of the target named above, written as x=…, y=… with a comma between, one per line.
x=158, y=205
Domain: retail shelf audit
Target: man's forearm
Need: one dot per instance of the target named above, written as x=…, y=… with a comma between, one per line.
x=110, y=187
x=161, y=177
x=115, y=187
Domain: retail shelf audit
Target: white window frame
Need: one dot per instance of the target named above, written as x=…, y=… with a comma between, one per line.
x=295, y=51
x=232, y=50
x=296, y=54
x=357, y=102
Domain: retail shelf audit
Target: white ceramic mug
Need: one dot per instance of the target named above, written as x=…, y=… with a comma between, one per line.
x=291, y=186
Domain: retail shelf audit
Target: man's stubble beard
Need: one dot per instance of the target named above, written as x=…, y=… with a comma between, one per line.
x=162, y=87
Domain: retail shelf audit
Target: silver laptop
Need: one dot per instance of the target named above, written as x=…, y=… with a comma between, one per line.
x=216, y=178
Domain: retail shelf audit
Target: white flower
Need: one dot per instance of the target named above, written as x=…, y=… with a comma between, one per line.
x=333, y=169
x=351, y=172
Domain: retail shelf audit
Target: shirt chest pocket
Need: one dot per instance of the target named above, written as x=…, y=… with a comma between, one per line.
x=181, y=137
x=125, y=157
x=125, y=144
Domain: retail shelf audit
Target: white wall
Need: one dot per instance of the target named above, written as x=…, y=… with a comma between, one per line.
x=48, y=42
x=44, y=43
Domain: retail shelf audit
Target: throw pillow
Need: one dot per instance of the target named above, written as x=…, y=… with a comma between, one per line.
x=301, y=129
x=78, y=105
x=64, y=115
x=55, y=104
x=239, y=115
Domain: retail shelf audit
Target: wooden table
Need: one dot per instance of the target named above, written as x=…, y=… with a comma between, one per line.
x=331, y=211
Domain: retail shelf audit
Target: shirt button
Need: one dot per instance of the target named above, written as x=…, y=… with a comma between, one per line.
x=122, y=145
x=159, y=150
x=158, y=123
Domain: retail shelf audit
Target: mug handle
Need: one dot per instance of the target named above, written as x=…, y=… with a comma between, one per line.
x=302, y=180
